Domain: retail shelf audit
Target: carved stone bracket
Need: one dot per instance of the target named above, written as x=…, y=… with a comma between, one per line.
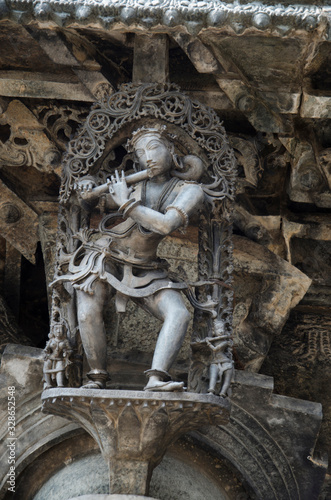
x=18, y=223
x=310, y=176
x=254, y=107
x=89, y=73
x=27, y=143
x=133, y=428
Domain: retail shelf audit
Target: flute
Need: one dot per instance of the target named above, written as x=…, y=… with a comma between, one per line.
x=104, y=188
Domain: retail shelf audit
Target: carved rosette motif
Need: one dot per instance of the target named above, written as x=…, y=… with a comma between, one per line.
x=163, y=102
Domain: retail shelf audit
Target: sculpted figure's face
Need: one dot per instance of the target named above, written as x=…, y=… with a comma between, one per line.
x=58, y=331
x=153, y=154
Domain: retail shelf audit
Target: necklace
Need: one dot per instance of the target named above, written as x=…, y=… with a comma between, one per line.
x=166, y=190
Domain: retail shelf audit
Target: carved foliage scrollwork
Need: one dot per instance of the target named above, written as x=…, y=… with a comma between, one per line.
x=61, y=121
x=23, y=140
x=164, y=102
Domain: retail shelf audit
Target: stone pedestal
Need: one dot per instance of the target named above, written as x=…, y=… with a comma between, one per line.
x=133, y=428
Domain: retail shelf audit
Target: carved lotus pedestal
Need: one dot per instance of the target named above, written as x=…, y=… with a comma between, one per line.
x=133, y=428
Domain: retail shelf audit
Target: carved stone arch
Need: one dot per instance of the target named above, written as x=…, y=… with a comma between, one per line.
x=253, y=451
x=134, y=102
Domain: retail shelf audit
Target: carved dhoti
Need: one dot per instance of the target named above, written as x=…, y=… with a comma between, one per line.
x=87, y=265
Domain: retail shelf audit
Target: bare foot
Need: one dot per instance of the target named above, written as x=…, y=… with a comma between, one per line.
x=95, y=384
x=164, y=386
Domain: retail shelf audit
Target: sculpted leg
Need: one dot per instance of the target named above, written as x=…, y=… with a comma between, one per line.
x=48, y=365
x=60, y=374
x=213, y=373
x=227, y=382
x=169, y=306
x=92, y=331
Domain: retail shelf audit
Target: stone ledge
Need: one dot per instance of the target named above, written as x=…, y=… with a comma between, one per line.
x=120, y=395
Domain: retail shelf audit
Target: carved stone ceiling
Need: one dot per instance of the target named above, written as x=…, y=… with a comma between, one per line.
x=265, y=69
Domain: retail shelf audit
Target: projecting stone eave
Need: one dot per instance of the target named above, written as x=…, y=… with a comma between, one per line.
x=281, y=19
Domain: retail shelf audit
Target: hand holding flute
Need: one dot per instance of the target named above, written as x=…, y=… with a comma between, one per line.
x=87, y=190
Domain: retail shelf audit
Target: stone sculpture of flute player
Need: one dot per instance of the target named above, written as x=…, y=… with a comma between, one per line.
x=124, y=260
x=221, y=367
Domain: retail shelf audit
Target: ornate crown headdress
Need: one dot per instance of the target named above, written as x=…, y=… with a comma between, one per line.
x=158, y=130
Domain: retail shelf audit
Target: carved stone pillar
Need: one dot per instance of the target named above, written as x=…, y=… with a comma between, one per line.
x=133, y=428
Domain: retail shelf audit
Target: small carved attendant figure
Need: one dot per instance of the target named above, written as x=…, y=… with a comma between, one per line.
x=221, y=367
x=57, y=353
x=123, y=260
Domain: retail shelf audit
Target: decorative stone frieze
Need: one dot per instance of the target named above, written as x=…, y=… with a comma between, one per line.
x=194, y=15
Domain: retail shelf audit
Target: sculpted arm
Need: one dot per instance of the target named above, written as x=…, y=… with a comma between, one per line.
x=188, y=201
x=89, y=195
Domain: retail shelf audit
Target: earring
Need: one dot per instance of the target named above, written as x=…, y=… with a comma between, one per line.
x=177, y=161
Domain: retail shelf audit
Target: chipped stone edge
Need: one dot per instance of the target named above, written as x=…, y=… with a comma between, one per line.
x=194, y=15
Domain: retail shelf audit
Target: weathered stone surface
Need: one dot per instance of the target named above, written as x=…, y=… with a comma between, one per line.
x=182, y=255
x=201, y=57
x=281, y=55
x=304, y=351
x=281, y=433
x=253, y=15
x=312, y=256
x=282, y=102
x=15, y=84
x=186, y=472
x=10, y=333
x=260, y=280
x=18, y=223
x=308, y=183
x=315, y=106
x=151, y=59
x=21, y=367
x=27, y=143
x=252, y=105
x=265, y=230
x=80, y=61
x=267, y=288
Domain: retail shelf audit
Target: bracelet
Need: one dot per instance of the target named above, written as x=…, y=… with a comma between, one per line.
x=126, y=204
x=159, y=373
x=130, y=206
x=183, y=215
